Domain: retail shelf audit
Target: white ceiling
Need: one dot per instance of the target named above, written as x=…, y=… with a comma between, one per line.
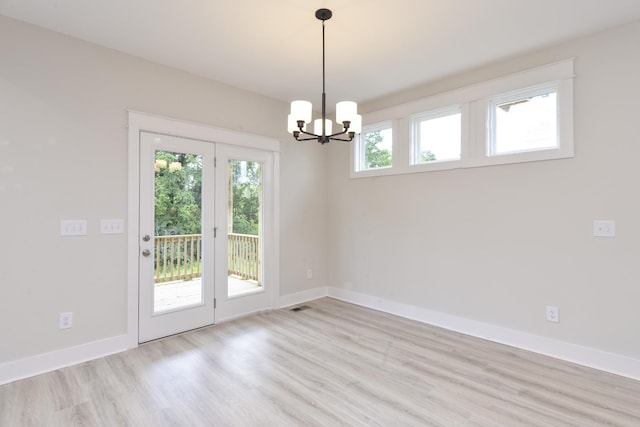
x=373, y=47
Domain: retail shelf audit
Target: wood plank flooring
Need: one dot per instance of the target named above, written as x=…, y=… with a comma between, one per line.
x=330, y=365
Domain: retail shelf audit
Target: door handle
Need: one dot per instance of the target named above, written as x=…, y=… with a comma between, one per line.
x=146, y=252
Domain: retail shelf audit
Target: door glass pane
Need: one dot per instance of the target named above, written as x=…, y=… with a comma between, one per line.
x=245, y=228
x=177, y=230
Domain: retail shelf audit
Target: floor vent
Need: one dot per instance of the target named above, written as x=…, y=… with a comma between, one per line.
x=300, y=308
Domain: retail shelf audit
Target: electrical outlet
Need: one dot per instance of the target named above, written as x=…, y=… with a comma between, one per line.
x=309, y=273
x=66, y=320
x=602, y=228
x=553, y=314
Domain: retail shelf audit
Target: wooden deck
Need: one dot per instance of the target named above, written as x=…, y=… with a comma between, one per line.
x=171, y=295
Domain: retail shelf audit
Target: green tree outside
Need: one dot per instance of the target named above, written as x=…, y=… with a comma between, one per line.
x=178, y=187
x=178, y=200
x=246, y=188
x=374, y=156
x=427, y=156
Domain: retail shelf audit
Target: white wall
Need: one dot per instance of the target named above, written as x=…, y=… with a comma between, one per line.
x=63, y=155
x=497, y=244
x=492, y=244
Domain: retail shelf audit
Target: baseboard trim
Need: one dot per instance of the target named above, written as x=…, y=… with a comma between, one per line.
x=239, y=316
x=582, y=355
x=47, y=362
x=284, y=301
x=302, y=296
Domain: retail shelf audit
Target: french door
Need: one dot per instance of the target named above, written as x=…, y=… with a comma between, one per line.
x=177, y=251
x=244, y=181
x=205, y=233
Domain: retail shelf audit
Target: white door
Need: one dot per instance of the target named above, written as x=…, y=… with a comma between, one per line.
x=176, y=239
x=245, y=279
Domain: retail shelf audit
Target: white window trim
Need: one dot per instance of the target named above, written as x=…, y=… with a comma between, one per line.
x=416, y=121
x=357, y=154
x=474, y=104
x=565, y=129
x=504, y=98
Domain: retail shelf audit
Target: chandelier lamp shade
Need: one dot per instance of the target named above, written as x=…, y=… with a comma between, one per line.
x=302, y=111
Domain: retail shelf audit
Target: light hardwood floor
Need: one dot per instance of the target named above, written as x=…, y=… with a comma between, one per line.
x=333, y=364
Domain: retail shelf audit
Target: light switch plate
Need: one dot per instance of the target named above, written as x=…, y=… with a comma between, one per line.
x=604, y=228
x=75, y=227
x=111, y=226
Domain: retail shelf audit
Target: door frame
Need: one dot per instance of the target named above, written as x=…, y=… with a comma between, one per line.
x=138, y=122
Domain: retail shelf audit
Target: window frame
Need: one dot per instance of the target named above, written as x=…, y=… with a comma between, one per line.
x=358, y=160
x=416, y=121
x=530, y=92
x=474, y=103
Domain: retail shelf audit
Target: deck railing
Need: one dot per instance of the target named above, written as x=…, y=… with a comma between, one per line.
x=179, y=257
x=244, y=259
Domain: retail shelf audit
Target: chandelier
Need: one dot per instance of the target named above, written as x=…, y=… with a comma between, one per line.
x=346, y=111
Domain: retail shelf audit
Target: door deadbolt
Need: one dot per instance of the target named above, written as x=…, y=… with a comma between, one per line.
x=146, y=238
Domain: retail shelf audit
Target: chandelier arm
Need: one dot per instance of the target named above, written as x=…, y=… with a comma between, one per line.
x=332, y=136
x=314, y=135
x=344, y=130
x=324, y=139
x=350, y=138
x=336, y=134
x=309, y=133
x=307, y=139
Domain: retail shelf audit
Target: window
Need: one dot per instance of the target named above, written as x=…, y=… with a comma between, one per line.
x=376, y=147
x=523, y=121
x=437, y=136
x=523, y=117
